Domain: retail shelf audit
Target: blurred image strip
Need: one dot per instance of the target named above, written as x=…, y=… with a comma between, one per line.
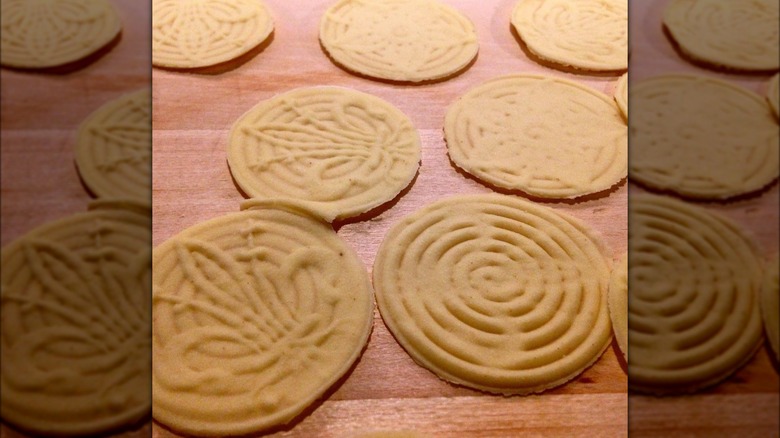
x=75, y=278
x=703, y=218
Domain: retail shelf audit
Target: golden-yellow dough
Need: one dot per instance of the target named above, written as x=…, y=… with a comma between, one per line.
x=495, y=293
x=256, y=315
x=618, y=303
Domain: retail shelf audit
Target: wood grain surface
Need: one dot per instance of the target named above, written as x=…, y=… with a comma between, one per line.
x=41, y=113
x=747, y=404
x=386, y=390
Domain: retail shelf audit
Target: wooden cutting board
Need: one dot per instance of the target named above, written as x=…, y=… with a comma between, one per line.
x=386, y=390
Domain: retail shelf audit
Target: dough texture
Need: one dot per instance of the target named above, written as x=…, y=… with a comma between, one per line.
x=701, y=137
x=256, y=315
x=495, y=293
x=694, y=308
x=545, y=136
x=741, y=35
x=773, y=94
x=398, y=40
x=770, y=304
x=44, y=33
x=114, y=148
x=618, y=303
x=621, y=94
x=200, y=33
x=341, y=151
x=584, y=34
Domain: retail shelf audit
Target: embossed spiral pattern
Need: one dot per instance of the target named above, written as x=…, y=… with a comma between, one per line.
x=621, y=94
x=256, y=315
x=618, y=303
x=200, y=33
x=495, y=293
x=702, y=137
x=114, y=148
x=694, y=315
x=50, y=33
x=343, y=151
x=586, y=34
x=75, y=323
x=742, y=35
x=546, y=136
x=402, y=40
x=773, y=94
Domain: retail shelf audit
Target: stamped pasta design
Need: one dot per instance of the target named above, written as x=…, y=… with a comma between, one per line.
x=402, y=40
x=495, y=293
x=702, y=137
x=693, y=298
x=585, y=34
x=342, y=151
x=548, y=137
x=770, y=303
x=200, y=33
x=257, y=314
x=621, y=94
x=741, y=35
x=618, y=303
x=773, y=94
x=75, y=324
x=50, y=33
x=114, y=146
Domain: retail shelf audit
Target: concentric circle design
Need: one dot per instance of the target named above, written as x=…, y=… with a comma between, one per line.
x=495, y=293
x=256, y=315
x=618, y=303
x=584, y=34
x=114, y=148
x=74, y=307
x=51, y=33
x=742, y=35
x=546, y=136
x=770, y=304
x=702, y=137
x=200, y=33
x=342, y=151
x=621, y=94
x=694, y=315
x=400, y=40
x=773, y=94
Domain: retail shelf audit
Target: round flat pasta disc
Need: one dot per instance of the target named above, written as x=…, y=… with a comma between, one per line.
x=618, y=303
x=341, y=151
x=741, y=35
x=75, y=323
x=694, y=311
x=621, y=94
x=399, y=40
x=546, y=136
x=495, y=293
x=256, y=315
x=200, y=33
x=770, y=304
x=114, y=148
x=702, y=137
x=46, y=33
x=584, y=34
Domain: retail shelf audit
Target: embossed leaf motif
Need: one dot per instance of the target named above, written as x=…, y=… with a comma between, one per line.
x=84, y=322
x=348, y=146
x=256, y=323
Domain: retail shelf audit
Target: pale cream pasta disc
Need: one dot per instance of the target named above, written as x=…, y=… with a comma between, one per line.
x=495, y=293
x=45, y=33
x=742, y=35
x=773, y=94
x=399, y=40
x=702, y=137
x=74, y=313
x=621, y=94
x=114, y=148
x=546, y=136
x=584, y=34
x=256, y=315
x=694, y=305
x=341, y=151
x=618, y=303
x=200, y=33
